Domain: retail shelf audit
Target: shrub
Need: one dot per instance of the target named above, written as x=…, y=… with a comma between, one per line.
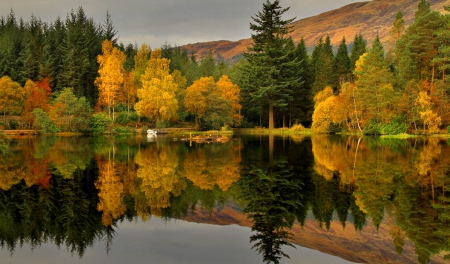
x=448, y=130
x=43, y=122
x=100, y=123
x=395, y=127
x=297, y=128
x=122, y=118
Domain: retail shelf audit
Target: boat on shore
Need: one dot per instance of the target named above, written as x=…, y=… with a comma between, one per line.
x=151, y=132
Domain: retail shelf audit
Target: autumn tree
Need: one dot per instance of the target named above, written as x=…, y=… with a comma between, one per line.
x=140, y=63
x=195, y=99
x=157, y=97
x=231, y=92
x=11, y=96
x=110, y=79
x=37, y=96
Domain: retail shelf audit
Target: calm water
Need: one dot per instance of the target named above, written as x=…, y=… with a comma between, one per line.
x=252, y=199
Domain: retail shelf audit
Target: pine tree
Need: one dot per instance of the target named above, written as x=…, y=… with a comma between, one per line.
x=397, y=30
x=302, y=98
x=267, y=58
x=341, y=66
x=359, y=48
x=322, y=61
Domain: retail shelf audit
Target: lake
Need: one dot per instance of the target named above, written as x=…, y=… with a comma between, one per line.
x=249, y=199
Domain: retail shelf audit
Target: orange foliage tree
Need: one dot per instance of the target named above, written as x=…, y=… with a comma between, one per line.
x=37, y=96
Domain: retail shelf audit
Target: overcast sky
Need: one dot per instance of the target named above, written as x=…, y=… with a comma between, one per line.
x=176, y=22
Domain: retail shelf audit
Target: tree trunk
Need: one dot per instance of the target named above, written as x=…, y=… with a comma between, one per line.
x=271, y=124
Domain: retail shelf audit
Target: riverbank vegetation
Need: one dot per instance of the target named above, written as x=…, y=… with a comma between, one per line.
x=73, y=75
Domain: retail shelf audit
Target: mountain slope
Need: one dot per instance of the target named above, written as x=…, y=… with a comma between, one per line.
x=368, y=18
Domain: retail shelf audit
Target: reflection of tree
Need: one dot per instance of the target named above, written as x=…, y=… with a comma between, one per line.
x=69, y=154
x=158, y=176
x=273, y=194
x=65, y=214
x=111, y=191
x=208, y=165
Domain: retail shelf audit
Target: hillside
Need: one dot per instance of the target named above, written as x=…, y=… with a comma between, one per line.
x=368, y=18
x=371, y=245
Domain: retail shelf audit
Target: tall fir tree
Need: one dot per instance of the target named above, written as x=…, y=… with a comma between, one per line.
x=359, y=48
x=322, y=61
x=341, y=66
x=267, y=59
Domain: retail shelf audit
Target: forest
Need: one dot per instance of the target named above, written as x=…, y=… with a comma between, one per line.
x=73, y=75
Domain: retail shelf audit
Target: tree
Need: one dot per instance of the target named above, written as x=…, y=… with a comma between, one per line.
x=195, y=99
x=375, y=91
x=231, y=93
x=341, y=66
x=71, y=113
x=140, y=63
x=110, y=77
x=359, y=48
x=109, y=32
x=157, y=97
x=397, y=30
x=322, y=61
x=37, y=96
x=11, y=96
x=267, y=58
x=43, y=122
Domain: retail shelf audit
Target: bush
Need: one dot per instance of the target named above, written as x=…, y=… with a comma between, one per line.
x=122, y=118
x=395, y=127
x=371, y=128
x=448, y=130
x=100, y=123
x=43, y=122
x=124, y=130
x=297, y=128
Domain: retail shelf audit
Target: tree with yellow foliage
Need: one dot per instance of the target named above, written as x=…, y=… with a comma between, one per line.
x=11, y=96
x=231, y=92
x=111, y=73
x=195, y=99
x=157, y=97
x=429, y=118
x=111, y=191
x=322, y=110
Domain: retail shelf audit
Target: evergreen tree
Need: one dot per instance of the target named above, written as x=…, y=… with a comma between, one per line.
x=109, y=32
x=397, y=30
x=267, y=59
x=322, y=61
x=302, y=105
x=421, y=43
x=341, y=66
x=359, y=48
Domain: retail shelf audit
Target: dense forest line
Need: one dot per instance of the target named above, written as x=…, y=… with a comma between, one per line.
x=74, y=75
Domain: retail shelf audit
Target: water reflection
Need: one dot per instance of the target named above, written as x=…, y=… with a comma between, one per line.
x=73, y=191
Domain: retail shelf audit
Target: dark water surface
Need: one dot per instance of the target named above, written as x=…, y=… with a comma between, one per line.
x=252, y=199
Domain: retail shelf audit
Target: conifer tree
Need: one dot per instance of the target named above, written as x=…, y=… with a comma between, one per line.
x=322, y=61
x=341, y=66
x=267, y=59
x=359, y=48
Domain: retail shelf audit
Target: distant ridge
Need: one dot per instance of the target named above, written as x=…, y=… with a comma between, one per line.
x=368, y=18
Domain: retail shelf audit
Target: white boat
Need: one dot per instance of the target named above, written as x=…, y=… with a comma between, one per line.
x=151, y=132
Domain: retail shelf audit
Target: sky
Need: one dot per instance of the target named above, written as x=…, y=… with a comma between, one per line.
x=176, y=22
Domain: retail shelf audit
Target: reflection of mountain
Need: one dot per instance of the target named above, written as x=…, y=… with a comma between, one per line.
x=369, y=246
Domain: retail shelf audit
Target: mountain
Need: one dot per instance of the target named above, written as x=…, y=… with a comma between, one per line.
x=371, y=245
x=368, y=18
